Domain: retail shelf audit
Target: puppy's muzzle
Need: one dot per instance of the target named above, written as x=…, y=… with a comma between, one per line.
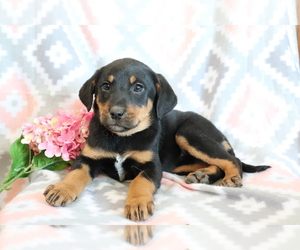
x=118, y=120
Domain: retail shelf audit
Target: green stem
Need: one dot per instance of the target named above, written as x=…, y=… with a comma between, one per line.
x=6, y=185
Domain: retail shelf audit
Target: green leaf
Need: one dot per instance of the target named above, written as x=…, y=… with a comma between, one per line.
x=21, y=156
x=41, y=161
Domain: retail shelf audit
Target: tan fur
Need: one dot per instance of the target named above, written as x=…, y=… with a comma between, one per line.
x=139, y=203
x=98, y=153
x=229, y=168
x=95, y=153
x=103, y=108
x=140, y=116
x=140, y=156
x=226, y=145
x=157, y=86
x=111, y=78
x=65, y=192
x=188, y=168
x=132, y=79
x=208, y=170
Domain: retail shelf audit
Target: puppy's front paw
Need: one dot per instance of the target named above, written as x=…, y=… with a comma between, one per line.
x=60, y=194
x=139, y=209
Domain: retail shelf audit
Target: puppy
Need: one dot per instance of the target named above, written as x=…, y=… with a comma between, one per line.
x=135, y=135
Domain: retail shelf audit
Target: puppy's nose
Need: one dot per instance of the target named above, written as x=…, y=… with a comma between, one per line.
x=117, y=113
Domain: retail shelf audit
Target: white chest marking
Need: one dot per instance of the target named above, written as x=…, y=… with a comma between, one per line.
x=119, y=165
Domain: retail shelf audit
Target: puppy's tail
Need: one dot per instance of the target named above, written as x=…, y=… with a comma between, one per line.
x=252, y=169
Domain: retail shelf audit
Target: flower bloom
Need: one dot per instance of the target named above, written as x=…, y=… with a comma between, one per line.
x=61, y=136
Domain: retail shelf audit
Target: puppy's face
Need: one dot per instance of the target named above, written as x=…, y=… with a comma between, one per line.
x=126, y=95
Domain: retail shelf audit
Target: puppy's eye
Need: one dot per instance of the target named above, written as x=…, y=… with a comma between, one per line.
x=105, y=87
x=138, y=87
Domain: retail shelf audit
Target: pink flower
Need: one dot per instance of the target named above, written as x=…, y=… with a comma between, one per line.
x=61, y=136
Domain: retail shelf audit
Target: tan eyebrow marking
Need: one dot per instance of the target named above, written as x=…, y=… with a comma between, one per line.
x=111, y=78
x=132, y=79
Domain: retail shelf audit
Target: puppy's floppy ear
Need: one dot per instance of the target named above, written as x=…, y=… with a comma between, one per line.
x=166, y=98
x=87, y=91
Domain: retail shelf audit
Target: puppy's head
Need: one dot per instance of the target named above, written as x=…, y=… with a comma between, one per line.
x=128, y=96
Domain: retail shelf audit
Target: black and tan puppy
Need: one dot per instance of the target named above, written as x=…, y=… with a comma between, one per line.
x=135, y=135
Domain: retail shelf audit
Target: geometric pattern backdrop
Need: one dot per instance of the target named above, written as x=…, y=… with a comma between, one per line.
x=235, y=62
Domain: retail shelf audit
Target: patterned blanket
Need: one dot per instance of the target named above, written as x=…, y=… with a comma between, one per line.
x=243, y=76
x=252, y=216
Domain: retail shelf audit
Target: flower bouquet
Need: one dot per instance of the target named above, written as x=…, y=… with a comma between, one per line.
x=50, y=142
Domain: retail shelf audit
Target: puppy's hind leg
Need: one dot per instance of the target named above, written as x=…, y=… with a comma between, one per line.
x=214, y=154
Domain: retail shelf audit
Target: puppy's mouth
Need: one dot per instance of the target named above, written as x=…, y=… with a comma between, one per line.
x=126, y=128
x=116, y=128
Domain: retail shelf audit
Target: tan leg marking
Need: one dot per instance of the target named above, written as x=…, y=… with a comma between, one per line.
x=65, y=192
x=232, y=176
x=139, y=204
x=188, y=168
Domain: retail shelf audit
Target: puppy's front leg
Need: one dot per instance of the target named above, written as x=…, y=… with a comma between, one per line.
x=65, y=192
x=139, y=205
